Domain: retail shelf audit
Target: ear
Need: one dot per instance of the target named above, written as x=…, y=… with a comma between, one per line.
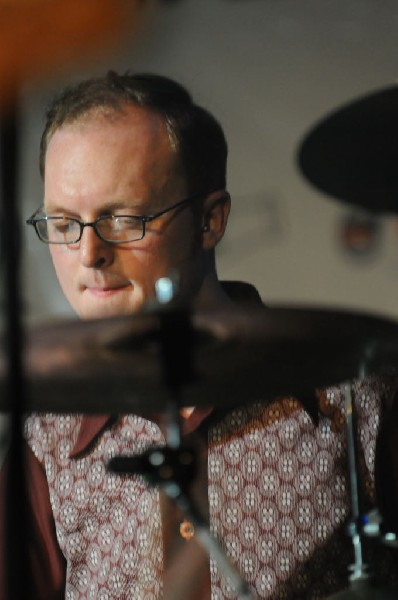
x=216, y=209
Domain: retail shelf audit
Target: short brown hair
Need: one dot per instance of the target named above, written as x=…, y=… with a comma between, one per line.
x=195, y=133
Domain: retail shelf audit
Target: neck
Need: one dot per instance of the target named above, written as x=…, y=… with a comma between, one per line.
x=211, y=294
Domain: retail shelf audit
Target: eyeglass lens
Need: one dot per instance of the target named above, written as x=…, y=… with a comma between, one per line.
x=62, y=230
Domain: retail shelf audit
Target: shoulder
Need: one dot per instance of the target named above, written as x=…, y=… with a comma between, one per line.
x=374, y=391
x=45, y=432
x=242, y=293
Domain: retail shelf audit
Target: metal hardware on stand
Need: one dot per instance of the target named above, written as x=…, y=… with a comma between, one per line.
x=359, y=570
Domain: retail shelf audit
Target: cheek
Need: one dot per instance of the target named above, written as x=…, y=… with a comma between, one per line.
x=58, y=254
x=63, y=260
x=159, y=249
x=145, y=264
x=140, y=264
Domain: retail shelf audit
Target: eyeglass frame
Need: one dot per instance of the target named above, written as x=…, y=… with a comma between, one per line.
x=143, y=219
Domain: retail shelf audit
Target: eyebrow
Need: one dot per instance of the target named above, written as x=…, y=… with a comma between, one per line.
x=107, y=208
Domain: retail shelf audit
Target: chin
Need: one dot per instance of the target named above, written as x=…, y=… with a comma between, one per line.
x=107, y=313
x=91, y=307
x=104, y=310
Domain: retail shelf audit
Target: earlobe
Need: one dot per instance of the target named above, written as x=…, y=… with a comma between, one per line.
x=216, y=211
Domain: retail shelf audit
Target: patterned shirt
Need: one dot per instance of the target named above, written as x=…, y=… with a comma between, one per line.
x=278, y=497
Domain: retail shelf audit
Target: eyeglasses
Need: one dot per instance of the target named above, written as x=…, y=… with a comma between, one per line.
x=115, y=229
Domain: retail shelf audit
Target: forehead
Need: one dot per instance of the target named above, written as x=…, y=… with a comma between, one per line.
x=112, y=153
x=130, y=123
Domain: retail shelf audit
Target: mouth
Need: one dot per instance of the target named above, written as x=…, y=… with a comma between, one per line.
x=105, y=292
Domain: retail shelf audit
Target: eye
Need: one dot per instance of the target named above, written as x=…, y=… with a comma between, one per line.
x=61, y=228
x=126, y=223
x=120, y=228
x=61, y=225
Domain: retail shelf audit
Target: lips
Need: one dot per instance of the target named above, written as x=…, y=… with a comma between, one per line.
x=106, y=287
x=100, y=290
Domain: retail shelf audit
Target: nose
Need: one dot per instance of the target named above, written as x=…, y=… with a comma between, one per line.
x=94, y=252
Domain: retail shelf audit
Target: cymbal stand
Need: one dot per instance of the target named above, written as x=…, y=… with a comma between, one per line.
x=360, y=587
x=173, y=467
x=359, y=569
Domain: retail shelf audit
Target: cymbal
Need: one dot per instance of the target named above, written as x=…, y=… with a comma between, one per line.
x=238, y=356
x=351, y=153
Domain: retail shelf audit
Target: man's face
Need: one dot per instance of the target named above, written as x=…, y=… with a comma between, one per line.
x=123, y=164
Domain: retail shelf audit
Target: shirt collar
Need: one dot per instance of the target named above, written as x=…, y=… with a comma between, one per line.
x=92, y=426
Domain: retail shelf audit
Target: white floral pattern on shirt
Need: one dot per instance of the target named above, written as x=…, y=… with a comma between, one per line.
x=278, y=499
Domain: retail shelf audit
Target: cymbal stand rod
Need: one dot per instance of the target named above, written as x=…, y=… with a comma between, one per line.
x=359, y=568
x=213, y=548
x=173, y=427
x=176, y=338
x=175, y=491
x=172, y=467
x=172, y=470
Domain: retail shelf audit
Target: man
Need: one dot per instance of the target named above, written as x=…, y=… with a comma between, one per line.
x=134, y=189
x=129, y=159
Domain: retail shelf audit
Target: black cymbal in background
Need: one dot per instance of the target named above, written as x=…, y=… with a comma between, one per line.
x=352, y=153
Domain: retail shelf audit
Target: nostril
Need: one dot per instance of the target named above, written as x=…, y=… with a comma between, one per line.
x=100, y=262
